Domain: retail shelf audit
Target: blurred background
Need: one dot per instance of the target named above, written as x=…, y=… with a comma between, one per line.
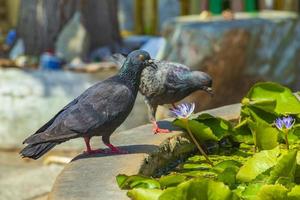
x=52, y=50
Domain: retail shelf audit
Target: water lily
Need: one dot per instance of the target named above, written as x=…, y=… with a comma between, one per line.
x=284, y=124
x=183, y=112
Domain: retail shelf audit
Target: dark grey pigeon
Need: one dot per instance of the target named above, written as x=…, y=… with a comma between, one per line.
x=96, y=112
x=165, y=82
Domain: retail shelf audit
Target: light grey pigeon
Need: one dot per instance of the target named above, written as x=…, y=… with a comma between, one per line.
x=98, y=111
x=164, y=82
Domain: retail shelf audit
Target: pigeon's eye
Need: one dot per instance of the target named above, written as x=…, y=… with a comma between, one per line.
x=141, y=57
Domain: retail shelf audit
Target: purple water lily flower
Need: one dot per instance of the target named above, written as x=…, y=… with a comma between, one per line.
x=183, y=110
x=288, y=122
x=279, y=123
x=284, y=122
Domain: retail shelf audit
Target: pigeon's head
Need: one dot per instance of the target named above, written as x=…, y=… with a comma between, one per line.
x=138, y=59
x=202, y=81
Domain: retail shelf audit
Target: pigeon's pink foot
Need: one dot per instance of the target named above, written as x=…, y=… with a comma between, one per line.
x=115, y=150
x=157, y=130
x=88, y=147
x=90, y=151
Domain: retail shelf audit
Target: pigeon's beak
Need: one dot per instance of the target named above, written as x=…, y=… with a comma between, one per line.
x=209, y=90
x=148, y=62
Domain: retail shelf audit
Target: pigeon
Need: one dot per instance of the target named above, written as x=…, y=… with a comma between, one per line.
x=164, y=82
x=98, y=111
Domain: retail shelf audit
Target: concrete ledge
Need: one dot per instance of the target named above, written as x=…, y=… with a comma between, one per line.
x=93, y=177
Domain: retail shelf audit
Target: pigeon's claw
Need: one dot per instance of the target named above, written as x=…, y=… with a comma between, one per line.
x=90, y=151
x=115, y=150
x=157, y=130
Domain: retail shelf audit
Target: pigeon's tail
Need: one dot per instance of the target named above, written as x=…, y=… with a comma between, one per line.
x=35, y=151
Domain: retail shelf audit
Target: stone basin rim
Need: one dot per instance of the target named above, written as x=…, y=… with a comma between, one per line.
x=69, y=183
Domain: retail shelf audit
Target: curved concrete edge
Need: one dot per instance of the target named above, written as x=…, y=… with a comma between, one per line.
x=94, y=177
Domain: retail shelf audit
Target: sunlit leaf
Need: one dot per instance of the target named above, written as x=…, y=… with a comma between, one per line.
x=228, y=176
x=219, y=126
x=250, y=191
x=285, y=168
x=272, y=192
x=267, y=105
x=221, y=166
x=294, y=194
x=200, y=130
x=265, y=136
x=199, y=188
x=171, y=180
x=258, y=164
x=144, y=194
x=136, y=181
x=286, y=102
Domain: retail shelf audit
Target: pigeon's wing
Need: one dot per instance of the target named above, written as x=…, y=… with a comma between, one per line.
x=103, y=107
x=45, y=126
x=176, y=78
x=99, y=106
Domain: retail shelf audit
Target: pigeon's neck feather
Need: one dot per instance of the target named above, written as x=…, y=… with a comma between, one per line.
x=131, y=75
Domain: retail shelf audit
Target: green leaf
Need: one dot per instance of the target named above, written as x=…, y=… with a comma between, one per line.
x=228, y=176
x=285, y=168
x=265, y=136
x=171, y=180
x=200, y=130
x=221, y=166
x=121, y=179
x=250, y=192
x=286, y=102
x=267, y=105
x=144, y=194
x=199, y=166
x=136, y=181
x=260, y=115
x=227, y=171
x=258, y=164
x=219, y=126
x=294, y=194
x=199, y=188
x=272, y=192
x=242, y=132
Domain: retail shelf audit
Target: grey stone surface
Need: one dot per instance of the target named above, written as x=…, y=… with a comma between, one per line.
x=29, y=99
x=93, y=177
x=20, y=180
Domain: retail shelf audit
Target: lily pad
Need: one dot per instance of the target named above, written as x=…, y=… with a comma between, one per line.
x=285, y=168
x=250, y=192
x=199, y=188
x=144, y=194
x=272, y=192
x=171, y=180
x=136, y=181
x=294, y=194
x=258, y=164
x=219, y=126
x=267, y=105
x=286, y=102
x=265, y=136
x=200, y=130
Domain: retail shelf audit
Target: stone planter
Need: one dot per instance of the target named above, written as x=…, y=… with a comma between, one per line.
x=93, y=177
